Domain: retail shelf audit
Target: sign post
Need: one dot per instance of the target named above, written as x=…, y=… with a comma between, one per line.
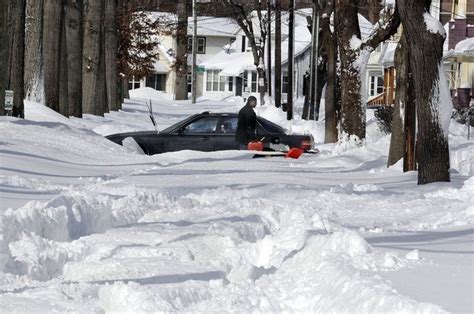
x=8, y=102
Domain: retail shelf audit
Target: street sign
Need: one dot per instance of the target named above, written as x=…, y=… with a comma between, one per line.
x=200, y=69
x=8, y=100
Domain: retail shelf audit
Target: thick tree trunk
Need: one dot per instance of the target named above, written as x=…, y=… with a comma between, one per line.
x=63, y=72
x=16, y=30
x=73, y=24
x=352, y=62
x=409, y=159
x=432, y=94
x=3, y=53
x=33, y=51
x=397, y=140
x=331, y=133
x=111, y=50
x=52, y=11
x=181, y=67
x=92, y=87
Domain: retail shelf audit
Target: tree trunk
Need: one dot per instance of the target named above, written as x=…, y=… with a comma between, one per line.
x=397, y=140
x=409, y=159
x=352, y=61
x=16, y=30
x=331, y=132
x=73, y=25
x=34, y=51
x=52, y=11
x=63, y=71
x=111, y=50
x=291, y=33
x=3, y=53
x=277, y=54
x=181, y=65
x=91, y=86
x=432, y=94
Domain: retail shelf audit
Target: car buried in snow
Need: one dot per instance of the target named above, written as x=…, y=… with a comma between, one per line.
x=211, y=132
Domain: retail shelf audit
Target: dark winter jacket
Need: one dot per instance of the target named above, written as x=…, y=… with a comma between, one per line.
x=246, y=125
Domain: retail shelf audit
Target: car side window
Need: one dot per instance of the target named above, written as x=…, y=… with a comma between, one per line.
x=227, y=125
x=201, y=125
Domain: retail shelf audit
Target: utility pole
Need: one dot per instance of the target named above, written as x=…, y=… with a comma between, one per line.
x=277, y=53
x=193, y=70
x=269, y=45
x=313, y=113
x=291, y=38
x=3, y=53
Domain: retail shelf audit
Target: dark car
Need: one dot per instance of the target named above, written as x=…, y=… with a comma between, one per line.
x=209, y=132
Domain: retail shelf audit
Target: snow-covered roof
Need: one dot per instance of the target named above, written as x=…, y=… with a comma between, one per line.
x=235, y=62
x=465, y=46
x=206, y=25
x=462, y=52
x=213, y=26
x=387, y=56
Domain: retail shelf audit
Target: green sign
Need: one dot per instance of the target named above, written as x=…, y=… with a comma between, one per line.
x=8, y=100
x=200, y=69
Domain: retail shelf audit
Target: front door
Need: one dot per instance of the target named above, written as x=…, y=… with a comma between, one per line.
x=238, y=86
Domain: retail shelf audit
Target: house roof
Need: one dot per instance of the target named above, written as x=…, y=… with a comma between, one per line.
x=462, y=52
x=213, y=26
x=233, y=62
x=387, y=56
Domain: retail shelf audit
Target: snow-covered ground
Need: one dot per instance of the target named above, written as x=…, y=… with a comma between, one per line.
x=90, y=226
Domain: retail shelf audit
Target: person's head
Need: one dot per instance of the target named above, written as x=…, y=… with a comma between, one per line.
x=252, y=101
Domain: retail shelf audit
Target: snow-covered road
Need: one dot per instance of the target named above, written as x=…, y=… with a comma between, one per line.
x=89, y=226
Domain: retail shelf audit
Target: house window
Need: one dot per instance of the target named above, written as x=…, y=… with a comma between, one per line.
x=376, y=85
x=190, y=81
x=156, y=81
x=284, y=84
x=214, y=81
x=200, y=47
x=253, y=82
x=133, y=84
x=230, y=82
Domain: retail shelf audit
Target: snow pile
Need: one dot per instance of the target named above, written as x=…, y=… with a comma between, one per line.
x=90, y=226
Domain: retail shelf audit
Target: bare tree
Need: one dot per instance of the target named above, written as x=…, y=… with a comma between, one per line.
x=111, y=53
x=74, y=38
x=181, y=64
x=16, y=46
x=330, y=46
x=425, y=36
x=33, y=51
x=397, y=140
x=245, y=16
x=52, y=11
x=3, y=53
x=91, y=86
x=354, y=55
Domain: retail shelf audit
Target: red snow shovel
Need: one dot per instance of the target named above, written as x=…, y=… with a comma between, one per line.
x=294, y=153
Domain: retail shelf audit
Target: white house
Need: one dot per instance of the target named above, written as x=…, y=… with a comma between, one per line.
x=213, y=34
x=226, y=64
x=232, y=71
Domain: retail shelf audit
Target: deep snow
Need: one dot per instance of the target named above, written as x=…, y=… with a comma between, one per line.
x=87, y=225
